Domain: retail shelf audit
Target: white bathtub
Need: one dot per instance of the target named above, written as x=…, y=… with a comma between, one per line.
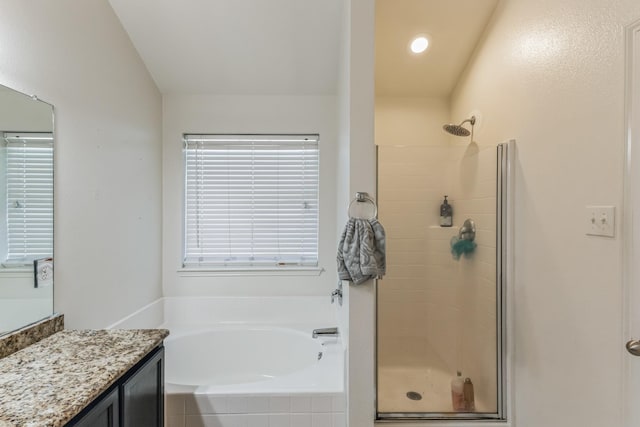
x=252, y=358
x=224, y=371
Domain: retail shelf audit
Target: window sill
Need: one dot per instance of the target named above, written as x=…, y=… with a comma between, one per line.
x=16, y=272
x=230, y=272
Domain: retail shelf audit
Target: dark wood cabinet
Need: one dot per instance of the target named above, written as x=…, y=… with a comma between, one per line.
x=135, y=400
x=142, y=395
x=104, y=414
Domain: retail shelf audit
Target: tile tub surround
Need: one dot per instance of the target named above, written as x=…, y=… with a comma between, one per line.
x=300, y=410
x=24, y=337
x=48, y=383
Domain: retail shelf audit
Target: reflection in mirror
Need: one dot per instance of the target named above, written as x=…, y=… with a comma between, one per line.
x=26, y=216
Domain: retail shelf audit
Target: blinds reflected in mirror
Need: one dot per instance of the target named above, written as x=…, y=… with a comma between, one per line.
x=29, y=196
x=251, y=200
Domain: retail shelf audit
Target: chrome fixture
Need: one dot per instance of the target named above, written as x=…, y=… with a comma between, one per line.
x=363, y=197
x=337, y=294
x=633, y=347
x=325, y=332
x=467, y=231
x=458, y=130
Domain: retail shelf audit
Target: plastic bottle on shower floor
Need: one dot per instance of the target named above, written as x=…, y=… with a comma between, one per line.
x=457, y=393
x=469, y=398
x=446, y=214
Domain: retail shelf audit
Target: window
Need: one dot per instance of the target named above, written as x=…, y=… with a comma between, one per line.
x=251, y=201
x=29, y=197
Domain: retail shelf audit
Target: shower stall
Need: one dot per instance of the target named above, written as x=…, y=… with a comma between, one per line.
x=444, y=197
x=441, y=312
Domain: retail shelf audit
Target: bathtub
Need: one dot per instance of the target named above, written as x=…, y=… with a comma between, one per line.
x=252, y=362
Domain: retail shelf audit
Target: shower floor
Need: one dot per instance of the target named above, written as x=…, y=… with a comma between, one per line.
x=434, y=385
x=409, y=365
x=395, y=381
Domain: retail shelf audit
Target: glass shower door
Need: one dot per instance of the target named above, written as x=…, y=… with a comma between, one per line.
x=440, y=308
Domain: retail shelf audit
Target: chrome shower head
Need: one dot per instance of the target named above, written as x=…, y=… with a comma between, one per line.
x=458, y=130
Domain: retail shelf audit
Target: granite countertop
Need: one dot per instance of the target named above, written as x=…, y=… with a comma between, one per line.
x=51, y=381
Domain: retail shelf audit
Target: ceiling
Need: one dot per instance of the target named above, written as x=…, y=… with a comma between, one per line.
x=453, y=28
x=292, y=47
x=237, y=46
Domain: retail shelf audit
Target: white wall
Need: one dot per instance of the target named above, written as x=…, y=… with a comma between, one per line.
x=551, y=75
x=75, y=55
x=342, y=179
x=361, y=177
x=247, y=114
x=413, y=121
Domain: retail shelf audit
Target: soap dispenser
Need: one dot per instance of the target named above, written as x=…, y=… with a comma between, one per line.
x=446, y=214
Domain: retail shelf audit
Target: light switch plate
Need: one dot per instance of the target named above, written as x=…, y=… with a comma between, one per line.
x=600, y=221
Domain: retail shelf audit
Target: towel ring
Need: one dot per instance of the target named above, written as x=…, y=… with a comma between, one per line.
x=362, y=197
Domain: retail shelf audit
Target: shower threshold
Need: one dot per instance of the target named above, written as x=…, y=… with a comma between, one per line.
x=398, y=416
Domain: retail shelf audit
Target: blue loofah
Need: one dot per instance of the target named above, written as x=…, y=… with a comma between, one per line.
x=461, y=247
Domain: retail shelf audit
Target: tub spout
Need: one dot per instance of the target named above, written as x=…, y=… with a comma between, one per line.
x=325, y=332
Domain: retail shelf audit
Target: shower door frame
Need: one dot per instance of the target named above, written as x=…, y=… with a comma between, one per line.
x=630, y=227
x=505, y=182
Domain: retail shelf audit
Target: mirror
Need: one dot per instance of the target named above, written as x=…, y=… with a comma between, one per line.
x=26, y=216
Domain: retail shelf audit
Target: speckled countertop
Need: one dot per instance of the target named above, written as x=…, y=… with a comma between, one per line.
x=51, y=381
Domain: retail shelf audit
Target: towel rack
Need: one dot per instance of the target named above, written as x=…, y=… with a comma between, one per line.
x=362, y=197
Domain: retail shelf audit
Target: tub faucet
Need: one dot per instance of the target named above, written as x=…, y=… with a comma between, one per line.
x=337, y=294
x=325, y=332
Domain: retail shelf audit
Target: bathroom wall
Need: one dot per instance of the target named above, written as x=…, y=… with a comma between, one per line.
x=412, y=157
x=410, y=190
x=75, y=55
x=247, y=114
x=342, y=191
x=361, y=177
x=551, y=75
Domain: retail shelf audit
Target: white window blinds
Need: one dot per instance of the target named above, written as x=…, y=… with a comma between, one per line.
x=29, y=180
x=251, y=200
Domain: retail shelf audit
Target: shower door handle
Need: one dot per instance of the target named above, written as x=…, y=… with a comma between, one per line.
x=633, y=347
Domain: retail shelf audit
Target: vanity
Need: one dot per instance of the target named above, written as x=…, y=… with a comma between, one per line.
x=85, y=378
x=49, y=376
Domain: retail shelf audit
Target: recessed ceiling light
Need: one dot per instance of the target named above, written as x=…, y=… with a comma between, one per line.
x=419, y=44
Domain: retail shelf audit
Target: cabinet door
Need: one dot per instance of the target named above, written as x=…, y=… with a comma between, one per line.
x=104, y=414
x=142, y=395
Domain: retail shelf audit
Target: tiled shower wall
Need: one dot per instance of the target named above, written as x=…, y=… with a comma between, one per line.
x=433, y=309
x=410, y=182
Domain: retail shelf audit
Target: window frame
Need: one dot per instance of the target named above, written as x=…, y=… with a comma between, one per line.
x=221, y=269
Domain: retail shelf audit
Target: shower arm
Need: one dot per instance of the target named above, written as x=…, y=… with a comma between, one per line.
x=472, y=120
